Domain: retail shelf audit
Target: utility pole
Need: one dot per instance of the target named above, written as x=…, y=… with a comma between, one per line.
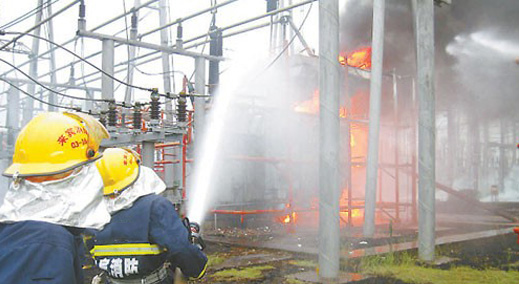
x=374, y=117
x=329, y=165
x=423, y=11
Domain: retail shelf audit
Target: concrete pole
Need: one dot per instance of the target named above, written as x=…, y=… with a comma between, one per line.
x=199, y=101
x=424, y=24
x=165, y=41
x=329, y=175
x=107, y=83
x=33, y=68
x=52, y=62
x=374, y=116
x=148, y=154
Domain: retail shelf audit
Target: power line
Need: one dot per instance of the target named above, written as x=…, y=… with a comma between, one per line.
x=49, y=89
x=38, y=99
x=27, y=15
x=84, y=60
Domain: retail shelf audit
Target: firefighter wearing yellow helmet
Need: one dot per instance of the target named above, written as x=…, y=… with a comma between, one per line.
x=142, y=249
x=55, y=191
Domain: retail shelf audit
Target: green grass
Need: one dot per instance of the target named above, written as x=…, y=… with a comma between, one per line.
x=215, y=259
x=248, y=273
x=405, y=267
x=293, y=281
x=423, y=275
x=304, y=263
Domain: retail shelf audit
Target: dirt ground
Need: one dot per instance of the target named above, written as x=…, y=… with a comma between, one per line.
x=237, y=264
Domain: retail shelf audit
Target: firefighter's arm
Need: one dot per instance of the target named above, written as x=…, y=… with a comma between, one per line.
x=167, y=230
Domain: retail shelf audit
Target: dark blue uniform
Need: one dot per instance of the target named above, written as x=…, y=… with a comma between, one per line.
x=38, y=252
x=138, y=241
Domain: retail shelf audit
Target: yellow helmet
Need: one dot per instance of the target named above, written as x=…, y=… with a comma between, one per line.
x=53, y=143
x=119, y=168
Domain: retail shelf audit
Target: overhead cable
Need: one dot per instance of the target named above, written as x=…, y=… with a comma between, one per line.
x=38, y=99
x=86, y=61
x=27, y=15
x=49, y=89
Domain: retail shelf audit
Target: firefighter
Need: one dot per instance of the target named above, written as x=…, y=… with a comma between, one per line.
x=55, y=191
x=145, y=240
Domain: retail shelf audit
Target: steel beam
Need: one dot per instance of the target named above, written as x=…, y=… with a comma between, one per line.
x=329, y=123
x=148, y=45
x=374, y=117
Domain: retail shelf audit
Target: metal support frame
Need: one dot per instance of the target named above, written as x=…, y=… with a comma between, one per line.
x=374, y=116
x=329, y=164
x=424, y=30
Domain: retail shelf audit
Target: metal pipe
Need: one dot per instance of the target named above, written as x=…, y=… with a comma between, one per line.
x=374, y=116
x=227, y=35
x=123, y=15
x=329, y=123
x=424, y=23
x=178, y=21
x=294, y=29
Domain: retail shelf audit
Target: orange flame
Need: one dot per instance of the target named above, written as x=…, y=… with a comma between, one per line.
x=287, y=219
x=310, y=106
x=360, y=58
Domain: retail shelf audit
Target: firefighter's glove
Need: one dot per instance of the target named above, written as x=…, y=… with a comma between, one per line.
x=195, y=237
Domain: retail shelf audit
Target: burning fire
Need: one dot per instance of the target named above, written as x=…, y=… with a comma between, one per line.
x=289, y=218
x=360, y=58
x=310, y=106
